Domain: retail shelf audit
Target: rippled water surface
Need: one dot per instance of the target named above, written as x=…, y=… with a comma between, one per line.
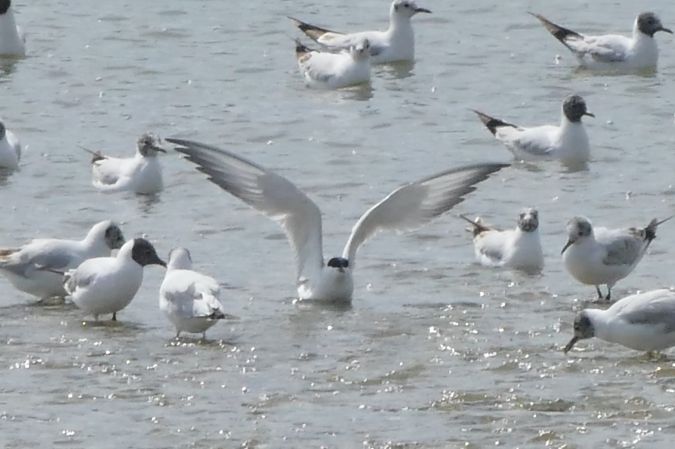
x=435, y=350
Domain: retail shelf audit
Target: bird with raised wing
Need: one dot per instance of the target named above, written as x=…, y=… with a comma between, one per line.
x=12, y=40
x=395, y=44
x=612, y=51
x=36, y=268
x=105, y=285
x=567, y=143
x=326, y=70
x=189, y=299
x=518, y=248
x=644, y=322
x=406, y=208
x=141, y=173
x=602, y=256
x=10, y=149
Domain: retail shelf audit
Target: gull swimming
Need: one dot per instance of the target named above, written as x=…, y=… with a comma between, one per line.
x=406, y=208
x=190, y=300
x=613, y=51
x=12, y=40
x=567, y=143
x=334, y=70
x=105, y=285
x=597, y=256
x=10, y=148
x=141, y=173
x=644, y=322
x=394, y=45
x=518, y=248
x=30, y=267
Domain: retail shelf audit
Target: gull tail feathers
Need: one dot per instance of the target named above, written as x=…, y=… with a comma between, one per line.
x=560, y=33
x=650, y=230
x=477, y=226
x=492, y=123
x=95, y=155
x=312, y=31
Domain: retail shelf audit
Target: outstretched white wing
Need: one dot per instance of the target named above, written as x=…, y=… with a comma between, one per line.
x=414, y=205
x=271, y=194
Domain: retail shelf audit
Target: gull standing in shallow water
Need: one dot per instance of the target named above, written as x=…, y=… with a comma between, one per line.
x=644, y=322
x=10, y=149
x=334, y=70
x=108, y=284
x=190, y=300
x=395, y=44
x=604, y=256
x=613, y=51
x=518, y=248
x=567, y=143
x=141, y=173
x=12, y=42
x=31, y=268
x=406, y=208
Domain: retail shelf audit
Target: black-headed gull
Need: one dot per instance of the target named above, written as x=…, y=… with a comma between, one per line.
x=12, y=42
x=406, y=208
x=141, y=173
x=613, y=51
x=31, y=267
x=395, y=44
x=518, y=248
x=10, y=149
x=644, y=322
x=567, y=143
x=190, y=300
x=105, y=285
x=326, y=70
x=601, y=256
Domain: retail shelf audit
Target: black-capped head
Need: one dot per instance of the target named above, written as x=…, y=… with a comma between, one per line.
x=583, y=328
x=649, y=23
x=528, y=220
x=577, y=228
x=4, y=6
x=114, y=237
x=144, y=253
x=574, y=107
x=148, y=145
x=339, y=262
x=3, y=131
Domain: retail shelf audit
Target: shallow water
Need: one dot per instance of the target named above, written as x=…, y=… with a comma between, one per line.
x=435, y=350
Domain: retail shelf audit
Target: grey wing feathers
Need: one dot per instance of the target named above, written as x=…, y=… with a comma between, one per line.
x=624, y=251
x=660, y=310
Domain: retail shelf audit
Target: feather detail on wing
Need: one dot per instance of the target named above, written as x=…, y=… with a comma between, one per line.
x=414, y=205
x=269, y=193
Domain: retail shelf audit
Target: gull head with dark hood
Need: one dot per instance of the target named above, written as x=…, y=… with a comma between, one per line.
x=583, y=329
x=649, y=23
x=113, y=236
x=406, y=8
x=340, y=263
x=578, y=228
x=361, y=50
x=148, y=145
x=143, y=253
x=4, y=6
x=528, y=220
x=574, y=107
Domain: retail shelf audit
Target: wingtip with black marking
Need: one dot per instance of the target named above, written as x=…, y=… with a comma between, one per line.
x=556, y=30
x=492, y=123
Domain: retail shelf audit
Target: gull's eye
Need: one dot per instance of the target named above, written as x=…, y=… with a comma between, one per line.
x=406, y=4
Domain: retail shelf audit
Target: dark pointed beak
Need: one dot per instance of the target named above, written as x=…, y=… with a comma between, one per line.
x=590, y=114
x=667, y=30
x=158, y=149
x=426, y=11
x=158, y=261
x=567, y=245
x=570, y=344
